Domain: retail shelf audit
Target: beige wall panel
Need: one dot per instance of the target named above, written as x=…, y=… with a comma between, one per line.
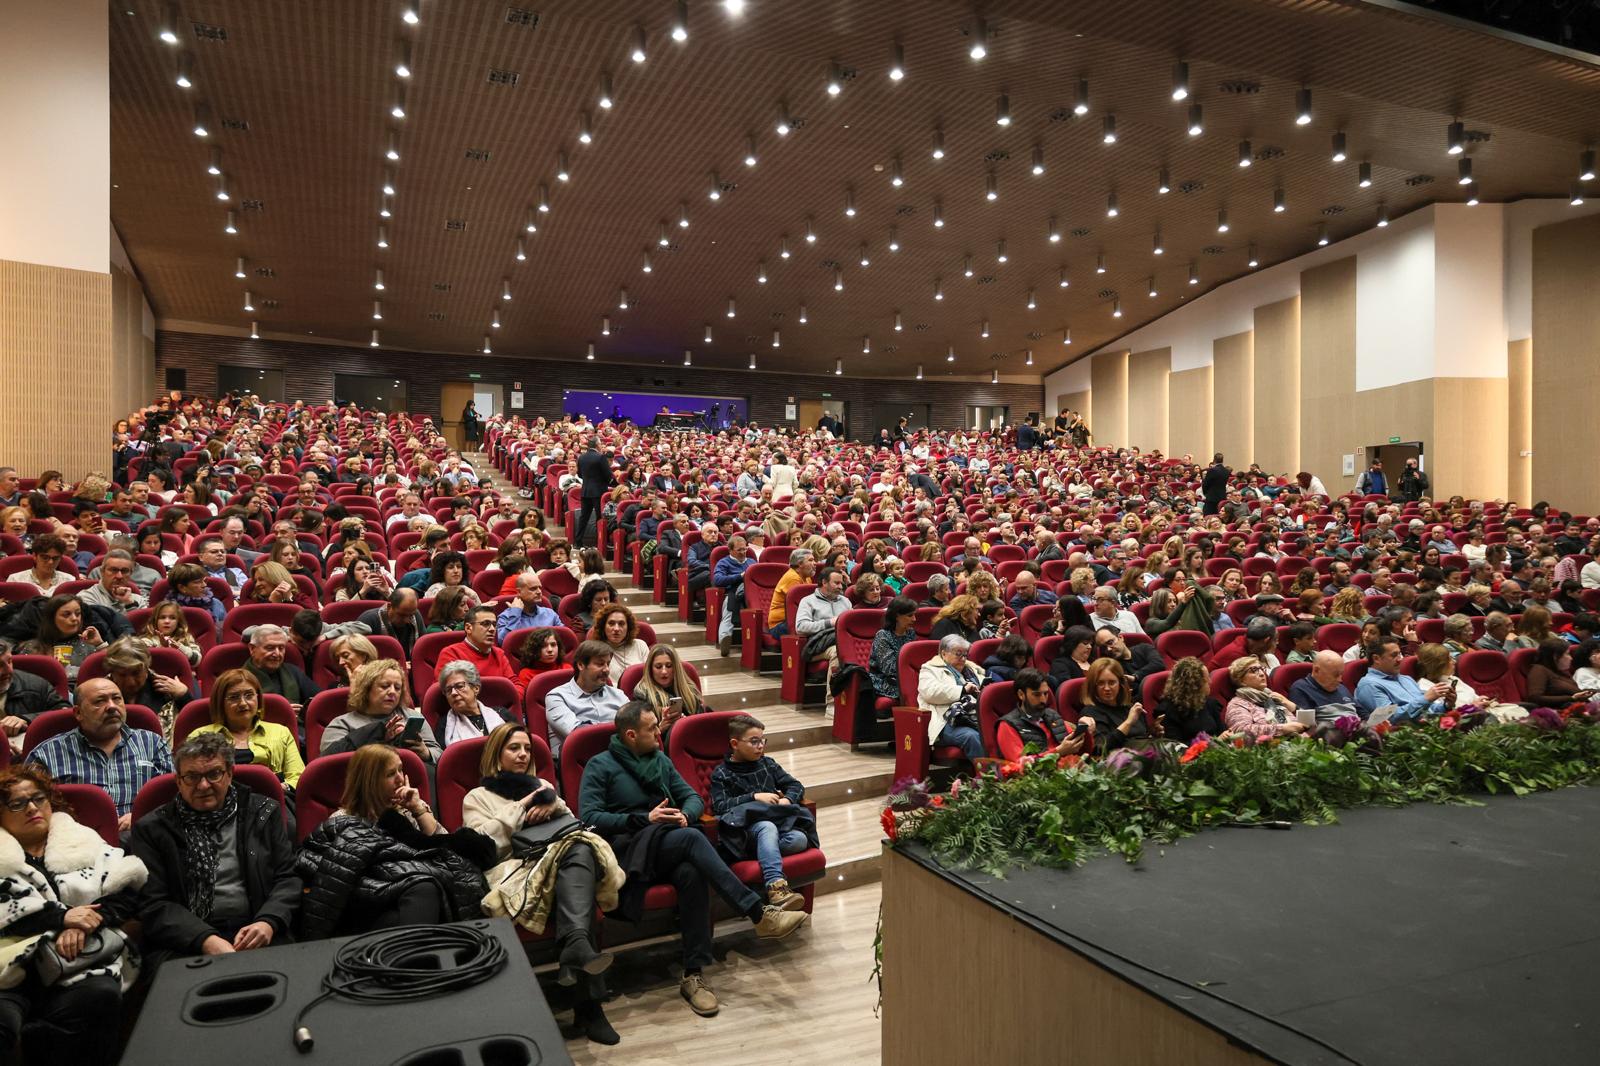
x=1566, y=363
x=1189, y=413
x=1467, y=454
x=1108, y=381
x=133, y=362
x=1072, y=401
x=1277, y=385
x=1147, y=399
x=56, y=360
x=1519, y=420
x=1328, y=370
x=1233, y=392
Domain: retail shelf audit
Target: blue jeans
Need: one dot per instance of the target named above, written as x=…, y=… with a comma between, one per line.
x=771, y=846
x=968, y=739
x=779, y=631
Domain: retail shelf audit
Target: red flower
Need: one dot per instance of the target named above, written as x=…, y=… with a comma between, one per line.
x=1194, y=751
x=890, y=828
x=1010, y=770
x=937, y=801
x=1240, y=741
x=1384, y=728
x=1448, y=721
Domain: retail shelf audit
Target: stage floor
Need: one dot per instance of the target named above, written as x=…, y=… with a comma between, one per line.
x=1421, y=935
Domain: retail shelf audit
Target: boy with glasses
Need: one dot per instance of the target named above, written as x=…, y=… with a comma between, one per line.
x=759, y=809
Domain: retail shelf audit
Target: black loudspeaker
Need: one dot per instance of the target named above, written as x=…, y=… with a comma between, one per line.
x=241, y=1010
x=177, y=378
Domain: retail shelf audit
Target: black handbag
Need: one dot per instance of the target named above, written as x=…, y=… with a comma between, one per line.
x=532, y=841
x=100, y=948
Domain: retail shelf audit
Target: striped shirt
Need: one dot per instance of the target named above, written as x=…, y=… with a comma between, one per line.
x=138, y=756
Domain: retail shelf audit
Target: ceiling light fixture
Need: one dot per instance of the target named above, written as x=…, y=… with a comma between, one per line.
x=1383, y=216
x=1066, y=335
x=391, y=150
x=838, y=279
x=994, y=377
x=585, y=130
x=1151, y=287
x=589, y=352
x=683, y=214
x=563, y=171
x=991, y=187
x=605, y=99
x=388, y=181
x=377, y=281
x=1108, y=129
x=750, y=150
x=849, y=202
x=983, y=331
x=1464, y=171
x=1194, y=274
x=752, y=360
x=919, y=371
x=896, y=178
x=1322, y=235
x=864, y=261
x=383, y=236
x=980, y=40
x=1029, y=361
x=374, y=342
x=1279, y=202
x=377, y=310
x=1455, y=138
x=214, y=162
x=1116, y=308
x=966, y=266
x=544, y=199
x=411, y=12
x=638, y=53
x=238, y=267
x=605, y=324
x=1000, y=252
x=662, y=239
x=402, y=62
x=1246, y=157
x=899, y=326
x=680, y=22
x=1100, y=263
x=1002, y=110
x=1364, y=175
x=202, y=122
x=734, y=8
x=894, y=238
x=761, y=272
x=708, y=334
x=486, y=349
x=950, y=354
x=897, y=62
x=1586, y=165
x=222, y=189
x=1038, y=160
x=1222, y=220
x=530, y=223
x=688, y=358
x=1577, y=195
x=397, y=105
x=866, y=344
x=249, y=302
x=255, y=333
x=938, y=215
x=1302, y=107
x=494, y=319
x=1111, y=205
x=1197, y=121
x=184, y=78
x=1180, y=81
x=167, y=24
x=777, y=339
x=730, y=307
x=938, y=288
x=622, y=299
x=1156, y=246
x=783, y=246
x=1033, y=303
x=835, y=83
x=1052, y=231
x=522, y=251
x=649, y=264
x=1081, y=106
x=938, y=143
x=811, y=233
x=1339, y=155
x=505, y=291
x=1163, y=182
x=783, y=124
x=1252, y=262
x=229, y=227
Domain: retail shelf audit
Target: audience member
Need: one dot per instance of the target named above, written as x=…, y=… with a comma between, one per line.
x=104, y=750
x=759, y=811
x=588, y=699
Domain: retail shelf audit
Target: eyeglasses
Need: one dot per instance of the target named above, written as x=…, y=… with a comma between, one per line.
x=22, y=803
x=241, y=697
x=754, y=742
x=458, y=686
x=210, y=777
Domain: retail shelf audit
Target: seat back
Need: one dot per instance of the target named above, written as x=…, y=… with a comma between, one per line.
x=912, y=656
x=533, y=701
x=425, y=657
x=1486, y=671
x=1032, y=620
x=856, y=629
x=322, y=786
x=1338, y=636
x=325, y=672
x=458, y=774
x=1285, y=676
x=634, y=674
x=168, y=661
x=1177, y=644
x=995, y=702
x=699, y=743
x=1150, y=692
x=324, y=707
x=47, y=667
x=581, y=745
x=159, y=791
x=224, y=657
x=93, y=806
x=245, y=615
x=65, y=719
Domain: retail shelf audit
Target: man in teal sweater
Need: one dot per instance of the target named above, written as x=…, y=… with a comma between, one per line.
x=636, y=799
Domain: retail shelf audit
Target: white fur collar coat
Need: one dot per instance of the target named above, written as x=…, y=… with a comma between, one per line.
x=84, y=866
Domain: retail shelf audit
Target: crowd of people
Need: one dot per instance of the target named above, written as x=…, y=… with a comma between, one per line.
x=251, y=588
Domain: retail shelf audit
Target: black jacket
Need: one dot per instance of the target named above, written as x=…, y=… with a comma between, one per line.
x=1214, y=486
x=594, y=470
x=266, y=857
x=378, y=622
x=30, y=695
x=348, y=862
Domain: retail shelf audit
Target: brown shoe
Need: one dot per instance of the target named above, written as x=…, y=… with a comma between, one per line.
x=701, y=999
x=725, y=645
x=778, y=895
x=776, y=924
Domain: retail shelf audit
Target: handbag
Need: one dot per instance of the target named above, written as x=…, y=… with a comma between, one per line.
x=100, y=948
x=532, y=841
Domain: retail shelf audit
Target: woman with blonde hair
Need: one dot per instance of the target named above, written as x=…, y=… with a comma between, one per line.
x=959, y=618
x=1347, y=606
x=350, y=653
x=615, y=625
x=271, y=583
x=1255, y=710
x=1082, y=582
x=166, y=628
x=513, y=798
x=667, y=686
x=236, y=704
x=1533, y=628
x=378, y=712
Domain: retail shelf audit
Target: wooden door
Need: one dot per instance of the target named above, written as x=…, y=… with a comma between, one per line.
x=810, y=412
x=453, y=396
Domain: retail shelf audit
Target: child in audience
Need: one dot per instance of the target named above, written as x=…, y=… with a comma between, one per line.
x=759, y=809
x=1303, y=636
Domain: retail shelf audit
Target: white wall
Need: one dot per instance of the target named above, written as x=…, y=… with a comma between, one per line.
x=1469, y=322
x=55, y=133
x=1394, y=309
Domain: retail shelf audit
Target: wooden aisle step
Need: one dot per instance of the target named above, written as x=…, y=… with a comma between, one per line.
x=852, y=836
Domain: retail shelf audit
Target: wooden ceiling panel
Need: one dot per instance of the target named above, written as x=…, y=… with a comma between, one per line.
x=299, y=94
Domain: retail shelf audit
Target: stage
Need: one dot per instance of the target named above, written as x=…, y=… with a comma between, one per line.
x=1421, y=935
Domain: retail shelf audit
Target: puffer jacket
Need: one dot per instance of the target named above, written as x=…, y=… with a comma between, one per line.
x=349, y=862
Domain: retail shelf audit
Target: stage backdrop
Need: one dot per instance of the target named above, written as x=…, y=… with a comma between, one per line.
x=642, y=407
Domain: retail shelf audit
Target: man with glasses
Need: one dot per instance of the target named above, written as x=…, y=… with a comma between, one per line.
x=479, y=648
x=115, y=591
x=23, y=697
x=220, y=859
x=759, y=809
x=104, y=750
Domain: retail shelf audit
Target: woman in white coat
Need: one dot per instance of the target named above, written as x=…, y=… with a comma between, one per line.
x=63, y=890
x=782, y=480
x=944, y=681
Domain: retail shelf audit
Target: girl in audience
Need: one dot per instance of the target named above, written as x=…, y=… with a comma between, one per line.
x=883, y=663
x=994, y=620
x=150, y=543
x=449, y=610
x=187, y=586
x=63, y=636
x=61, y=878
x=1119, y=718
x=382, y=859
x=1533, y=628
x=364, y=580
x=167, y=628
x=448, y=570
x=667, y=687
x=1013, y=654
x=378, y=711
x=1550, y=680
x=512, y=796
x=236, y=705
x=540, y=654
x=1187, y=707
x=894, y=579
x=1255, y=710
x=176, y=520
x=614, y=624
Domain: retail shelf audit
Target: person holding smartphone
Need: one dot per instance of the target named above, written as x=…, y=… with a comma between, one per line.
x=380, y=713
x=667, y=687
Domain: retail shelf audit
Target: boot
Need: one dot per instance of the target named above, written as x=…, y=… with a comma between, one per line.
x=779, y=895
x=591, y=1021
x=578, y=956
x=776, y=924
x=574, y=916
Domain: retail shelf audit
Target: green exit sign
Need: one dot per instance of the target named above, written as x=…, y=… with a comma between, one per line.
x=827, y=395
x=1394, y=440
x=475, y=377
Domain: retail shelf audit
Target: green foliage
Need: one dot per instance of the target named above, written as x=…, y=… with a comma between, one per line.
x=1059, y=816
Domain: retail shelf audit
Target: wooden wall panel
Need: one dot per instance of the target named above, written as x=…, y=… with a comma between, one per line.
x=1073, y=401
x=1566, y=363
x=1328, y=371
x=1108, y=381
x=1233, y=393
x=1277, y=385
x=309, y=370
x=1147, y=399
x=1467, y=452
x=133, y=377
x=998, y=978
x=1189, y=407
x=1519, y=420
x=56, y=361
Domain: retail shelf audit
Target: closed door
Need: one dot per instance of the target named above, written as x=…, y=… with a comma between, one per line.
x=453, y=397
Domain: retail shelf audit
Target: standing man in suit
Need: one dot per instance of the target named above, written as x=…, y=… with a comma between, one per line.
x=594, y=470
x=1214, y=486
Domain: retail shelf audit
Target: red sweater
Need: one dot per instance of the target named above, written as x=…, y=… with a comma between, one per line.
x=492, y=663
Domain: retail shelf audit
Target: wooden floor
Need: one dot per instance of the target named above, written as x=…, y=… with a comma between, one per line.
x=807, y=999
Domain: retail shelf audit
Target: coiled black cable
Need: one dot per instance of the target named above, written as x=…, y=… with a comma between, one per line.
x=394, y=966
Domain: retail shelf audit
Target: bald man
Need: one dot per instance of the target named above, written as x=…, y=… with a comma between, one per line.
x=104, y=750
x=1324, y=685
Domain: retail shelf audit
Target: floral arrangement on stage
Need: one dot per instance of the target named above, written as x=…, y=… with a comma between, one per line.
x=1058, y=813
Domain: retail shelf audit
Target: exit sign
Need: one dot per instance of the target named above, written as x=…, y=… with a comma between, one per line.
x=1394, y=440
x=475, y=377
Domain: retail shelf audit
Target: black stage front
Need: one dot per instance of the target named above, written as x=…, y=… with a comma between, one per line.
x=1423, y=935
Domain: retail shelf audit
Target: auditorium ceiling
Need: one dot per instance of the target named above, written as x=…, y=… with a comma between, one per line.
x=983, y=263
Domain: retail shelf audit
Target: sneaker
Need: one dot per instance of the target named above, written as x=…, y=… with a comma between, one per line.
x=701, y=999
x=725, y=645
x=776, y=924
x=778, y=895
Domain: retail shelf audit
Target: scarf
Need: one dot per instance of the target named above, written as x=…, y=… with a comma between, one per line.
x=510, y=786
x=1263, y=699
x=202, y=840
x=649, y=771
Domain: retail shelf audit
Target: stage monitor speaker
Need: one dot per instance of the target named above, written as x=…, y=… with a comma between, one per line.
x=241, y=1010
x=177, y=378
